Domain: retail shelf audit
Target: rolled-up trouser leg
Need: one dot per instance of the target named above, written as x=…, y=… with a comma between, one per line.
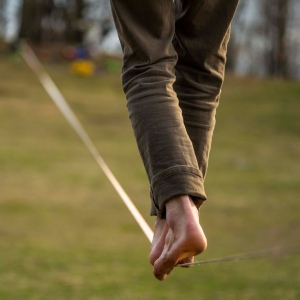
x=202, y=32
x=146, y=30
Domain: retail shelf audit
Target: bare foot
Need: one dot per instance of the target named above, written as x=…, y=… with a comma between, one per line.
x=161, y=229
x=178, y=238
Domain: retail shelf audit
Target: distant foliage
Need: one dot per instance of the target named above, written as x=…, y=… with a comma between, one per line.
x=265, y=38
x=67, y=21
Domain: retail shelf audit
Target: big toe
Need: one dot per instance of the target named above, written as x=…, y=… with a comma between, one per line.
x=155, y=254
x=164, y=265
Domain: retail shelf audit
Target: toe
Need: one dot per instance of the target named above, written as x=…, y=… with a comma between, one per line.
x=164, y=266
x=160, y=231
x=186, y=260
x=160, y=277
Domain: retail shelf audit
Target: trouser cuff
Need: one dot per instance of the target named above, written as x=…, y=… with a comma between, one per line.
x=175, y=181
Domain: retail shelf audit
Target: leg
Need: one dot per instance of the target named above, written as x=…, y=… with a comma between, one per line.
x=146, y=29
x=201, y=37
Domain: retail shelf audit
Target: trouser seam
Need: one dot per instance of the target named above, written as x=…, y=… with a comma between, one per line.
x=175, y=172
x=177, y=169
x=186, y=186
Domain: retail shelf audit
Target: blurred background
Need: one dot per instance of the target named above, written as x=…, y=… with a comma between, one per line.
x=64, y=232
x=265, y=37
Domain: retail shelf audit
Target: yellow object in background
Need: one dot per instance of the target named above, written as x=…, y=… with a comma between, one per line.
x=83, y=67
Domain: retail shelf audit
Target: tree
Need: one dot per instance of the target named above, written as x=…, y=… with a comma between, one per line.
x=3, y=19
x=36, y=13
x=74, y=20
x=32, y=15
x=234, y=45
x=275, y=30
x=44, y=20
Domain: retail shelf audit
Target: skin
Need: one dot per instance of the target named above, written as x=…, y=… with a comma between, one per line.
x=178, y=238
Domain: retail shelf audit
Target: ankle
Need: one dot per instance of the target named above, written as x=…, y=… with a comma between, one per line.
x=180, y=207
x=181, y=202
x=176, y=203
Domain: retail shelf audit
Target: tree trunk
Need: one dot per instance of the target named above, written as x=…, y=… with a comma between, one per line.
x=276, y=18
x=282, y=19
x=3, y=4
x=32, y=14
x=74, y=17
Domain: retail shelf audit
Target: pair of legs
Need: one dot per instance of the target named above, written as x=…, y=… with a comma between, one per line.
x=172, y=74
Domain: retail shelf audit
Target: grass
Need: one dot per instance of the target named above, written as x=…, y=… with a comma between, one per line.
x=64, y=232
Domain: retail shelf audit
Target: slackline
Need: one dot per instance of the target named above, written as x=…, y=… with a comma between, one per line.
x=54, y=93
x=275, y=252
x=50, y=87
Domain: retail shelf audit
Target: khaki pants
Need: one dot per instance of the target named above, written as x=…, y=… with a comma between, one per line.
x=172, y=74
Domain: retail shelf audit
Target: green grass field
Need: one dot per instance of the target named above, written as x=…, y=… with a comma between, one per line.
x=65, y=233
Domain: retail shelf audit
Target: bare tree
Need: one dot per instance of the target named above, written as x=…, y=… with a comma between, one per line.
x=234, y=45
x=275, y=24
x=32, y=15
x=74, y=19
x=74, y=16
x=3, y=19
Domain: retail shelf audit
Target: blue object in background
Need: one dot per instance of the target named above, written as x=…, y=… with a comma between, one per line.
x=81, y=53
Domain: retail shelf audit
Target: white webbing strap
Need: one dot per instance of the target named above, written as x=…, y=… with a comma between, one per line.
x=57, y=97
